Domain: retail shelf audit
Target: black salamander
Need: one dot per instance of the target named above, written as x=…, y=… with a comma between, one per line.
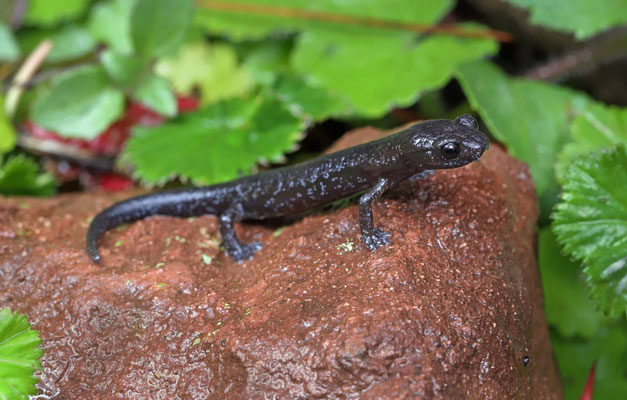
x=372, y=167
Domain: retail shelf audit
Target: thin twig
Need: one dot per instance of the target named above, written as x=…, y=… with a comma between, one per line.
x=353, y=20
x=22, y=76
x=18, y=13
x=600, y=50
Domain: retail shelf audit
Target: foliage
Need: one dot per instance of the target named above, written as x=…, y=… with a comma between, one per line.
x=196, y=145
x=582, y=17
x=566, y=303
x=591, y=224
x=8, y=46
x=213, y=69
x=263, y=71
x=68, y=42
x=532, y=130
x=19, y=176
x=594, y=128
x=344, y=57
x=607, y=348
x=7, y=131
x=19, y=356
x=79, y=103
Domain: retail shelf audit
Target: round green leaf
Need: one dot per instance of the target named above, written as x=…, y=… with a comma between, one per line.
x=68, y=42
x=110, y=22
x=80, y=103
x=52, y=12
x=566, y=302
x=155, y=93
x=158, y=27
x=532, y=130
x=582, y=17
x=591, y=223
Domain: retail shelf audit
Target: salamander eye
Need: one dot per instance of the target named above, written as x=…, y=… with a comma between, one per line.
x=450, y=150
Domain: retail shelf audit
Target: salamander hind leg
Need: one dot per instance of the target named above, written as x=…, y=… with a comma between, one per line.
x=234, y=247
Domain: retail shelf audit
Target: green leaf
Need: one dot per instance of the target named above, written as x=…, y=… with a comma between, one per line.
x=110, y=22
x=80, y=103
x=247, y=24
x=8, y=47
x=217, y=143
x=267, y=58
x=608, y=348
x=155, y=93
x=19, y=356
x=329, y=58
x=361, y=62
x=591, y=223
x=309, y=99
x=595, y=128
x=582, y=17
x=52, y=12
x=69, y=42
x=7, y=131
x=213, y=69
x=19, y=176
x=529, y=117
x=124, y=69
x=158, y=27
x=565, y=298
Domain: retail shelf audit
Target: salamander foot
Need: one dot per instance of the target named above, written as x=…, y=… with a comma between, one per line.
x=376, y=239
x=245, y=251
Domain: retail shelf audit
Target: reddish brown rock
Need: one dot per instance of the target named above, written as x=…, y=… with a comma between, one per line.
x=449, y=310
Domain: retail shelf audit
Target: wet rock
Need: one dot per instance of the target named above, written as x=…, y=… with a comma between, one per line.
x=451, y=309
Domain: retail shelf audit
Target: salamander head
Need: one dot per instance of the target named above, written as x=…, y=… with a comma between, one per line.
x=442, y=143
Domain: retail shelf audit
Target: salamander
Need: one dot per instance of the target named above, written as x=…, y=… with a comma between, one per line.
x=371, y=168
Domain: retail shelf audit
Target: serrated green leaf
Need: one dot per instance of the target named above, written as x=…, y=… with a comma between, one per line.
x=529, y=117
x=608, y=348
x=582, y=17
x=49, y=13
x=217, y=143
x=591, y=223
x=158, y=27
x=8, y=46
x=155, y=93
x=19, y=356
x=358, y=61
x=309, y=99
x=566, y=302
x=7, y=131
x=213, y=69
x=19, y=176
x=124, y=69
x=68, y=42
x=110, y=22
x=381, y=79
x=80, y=103
x=594, y=128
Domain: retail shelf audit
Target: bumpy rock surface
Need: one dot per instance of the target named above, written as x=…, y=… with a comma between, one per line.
x=451, y=309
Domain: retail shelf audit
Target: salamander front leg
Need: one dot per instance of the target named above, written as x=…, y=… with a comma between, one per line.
x=236, y=249
x=373, y=236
